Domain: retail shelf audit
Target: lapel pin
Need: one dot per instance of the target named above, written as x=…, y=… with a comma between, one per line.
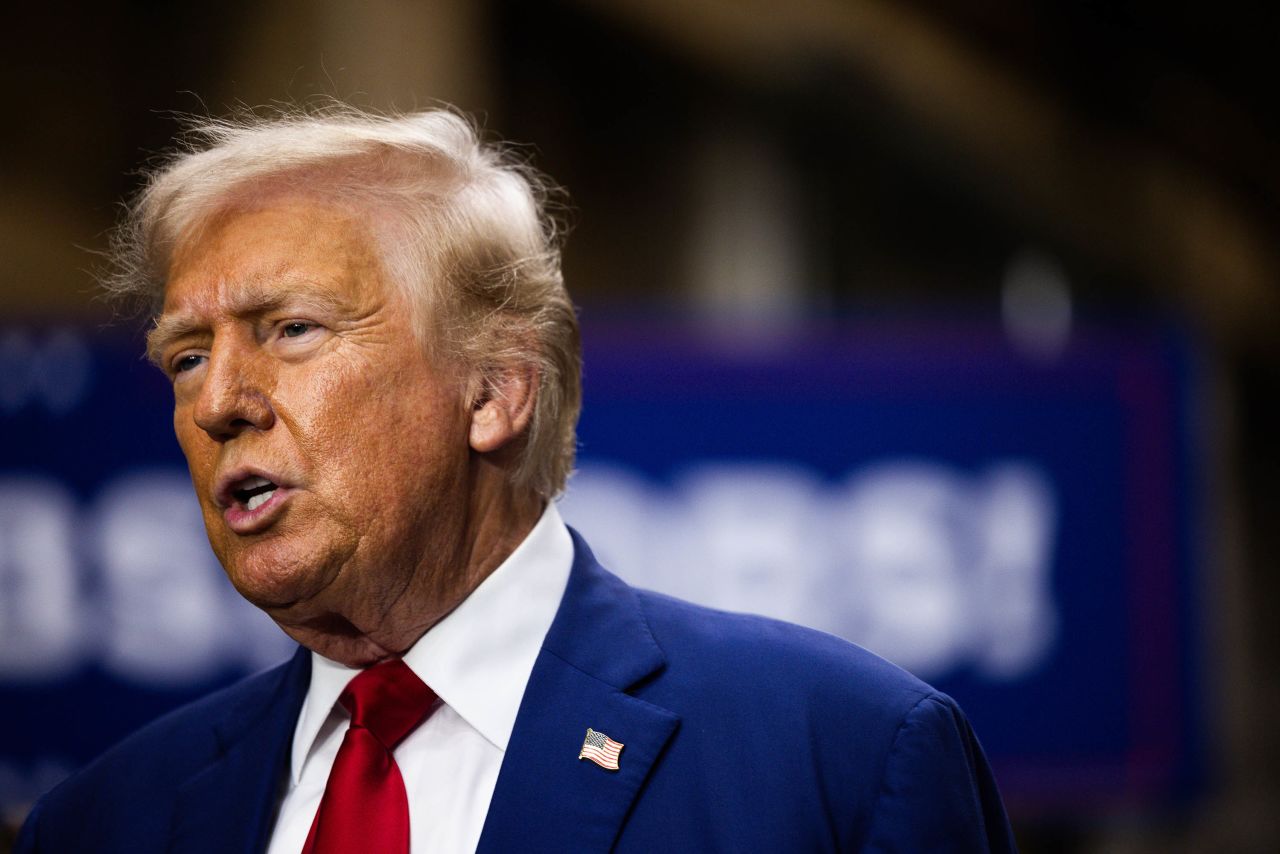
x=600, y=749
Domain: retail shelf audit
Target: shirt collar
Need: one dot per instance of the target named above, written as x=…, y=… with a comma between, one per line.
x=479, y=657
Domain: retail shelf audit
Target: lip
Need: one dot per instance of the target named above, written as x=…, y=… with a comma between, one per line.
x=243, y=521
x=240, y=519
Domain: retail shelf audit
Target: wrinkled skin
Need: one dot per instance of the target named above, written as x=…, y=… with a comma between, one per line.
x=292, y=357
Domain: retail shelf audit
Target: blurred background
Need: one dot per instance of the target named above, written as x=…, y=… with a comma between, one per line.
x=949, y=327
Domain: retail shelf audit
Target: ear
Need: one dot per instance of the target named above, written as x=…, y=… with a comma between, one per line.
x=503, y=407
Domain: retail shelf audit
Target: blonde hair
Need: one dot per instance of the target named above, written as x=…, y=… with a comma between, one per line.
x=463, y=225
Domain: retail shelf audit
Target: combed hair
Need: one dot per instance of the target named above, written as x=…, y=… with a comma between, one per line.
x=463, y=226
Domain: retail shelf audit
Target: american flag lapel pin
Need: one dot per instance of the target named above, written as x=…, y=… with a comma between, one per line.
x=600, y=749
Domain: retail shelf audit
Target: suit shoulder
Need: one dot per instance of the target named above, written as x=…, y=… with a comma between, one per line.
x=168, y=750
x=826, y=716
x=732, y=648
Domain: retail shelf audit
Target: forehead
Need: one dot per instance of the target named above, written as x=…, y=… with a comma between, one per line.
x=247, y=254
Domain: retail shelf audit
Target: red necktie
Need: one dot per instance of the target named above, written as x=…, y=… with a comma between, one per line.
x=364, y=807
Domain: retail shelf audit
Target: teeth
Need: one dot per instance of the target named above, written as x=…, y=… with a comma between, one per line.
x=253, y=482
x=258, y=500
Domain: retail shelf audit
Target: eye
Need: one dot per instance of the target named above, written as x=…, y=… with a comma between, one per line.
x=186, y=363
x=296, y=329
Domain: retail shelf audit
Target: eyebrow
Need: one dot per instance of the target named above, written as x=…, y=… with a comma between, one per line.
x=253, y=300
x=165, y=330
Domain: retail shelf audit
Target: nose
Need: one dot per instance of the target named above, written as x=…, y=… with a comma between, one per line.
x=234, y=394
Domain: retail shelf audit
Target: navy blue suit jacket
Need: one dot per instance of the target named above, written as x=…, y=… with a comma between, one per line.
x=741, y=734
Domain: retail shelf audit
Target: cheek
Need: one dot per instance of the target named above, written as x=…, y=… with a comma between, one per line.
x=330, y=416
x=360, y=425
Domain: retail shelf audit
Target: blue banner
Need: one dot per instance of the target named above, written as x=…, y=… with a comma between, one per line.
x=1017, y=530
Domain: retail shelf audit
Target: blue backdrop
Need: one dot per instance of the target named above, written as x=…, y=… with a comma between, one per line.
x=1018, y=531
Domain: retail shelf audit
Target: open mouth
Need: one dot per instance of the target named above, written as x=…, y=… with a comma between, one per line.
x=253, y=492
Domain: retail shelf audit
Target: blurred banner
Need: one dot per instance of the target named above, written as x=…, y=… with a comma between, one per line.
x=1017, y=526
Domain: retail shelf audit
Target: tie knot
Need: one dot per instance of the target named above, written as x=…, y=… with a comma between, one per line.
x=389, y=700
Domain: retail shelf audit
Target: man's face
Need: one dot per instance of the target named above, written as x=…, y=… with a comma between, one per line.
x=328, y=452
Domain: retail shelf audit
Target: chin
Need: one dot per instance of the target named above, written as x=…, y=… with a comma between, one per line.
x=275, y=579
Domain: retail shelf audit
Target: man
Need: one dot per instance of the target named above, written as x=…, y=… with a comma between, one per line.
x=376, y=381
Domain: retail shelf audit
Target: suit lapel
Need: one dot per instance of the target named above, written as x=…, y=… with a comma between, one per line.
x=228, y=806
x=599, y=645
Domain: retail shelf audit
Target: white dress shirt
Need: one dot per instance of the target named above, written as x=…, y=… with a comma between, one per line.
x=478, y=660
